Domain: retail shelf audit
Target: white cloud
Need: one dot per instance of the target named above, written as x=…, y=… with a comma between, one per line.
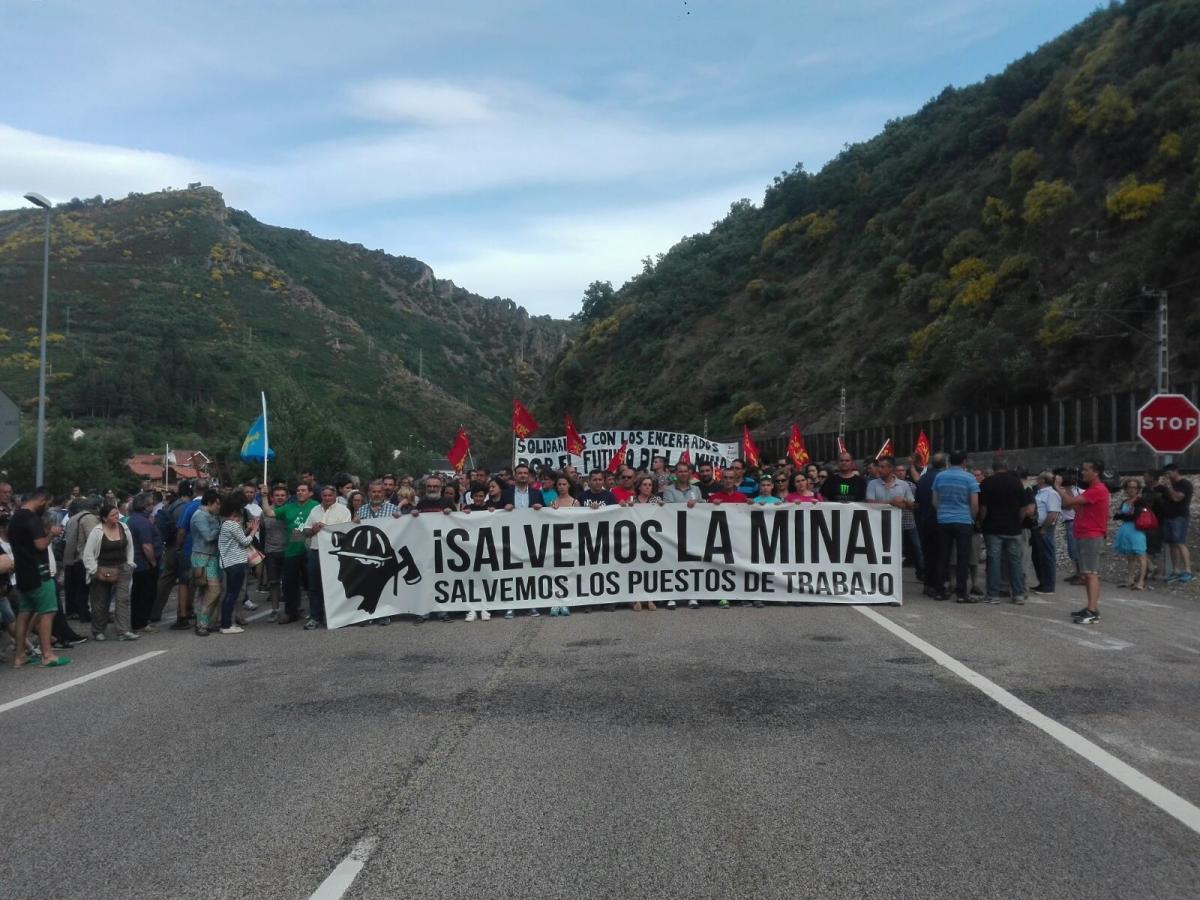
x=545, y=264
x=62, y=169
x=412, y=101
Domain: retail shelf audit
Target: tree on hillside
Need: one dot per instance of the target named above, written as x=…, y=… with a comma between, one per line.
x=598, y=302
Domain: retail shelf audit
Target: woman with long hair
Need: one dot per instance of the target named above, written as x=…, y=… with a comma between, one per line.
x=232, y=541
x=354, y=503
x=801, y=490
x=108, y=568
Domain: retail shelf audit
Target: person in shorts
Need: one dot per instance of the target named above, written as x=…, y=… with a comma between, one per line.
x=1177, y=491
x=1091, y=529
x=38, y=601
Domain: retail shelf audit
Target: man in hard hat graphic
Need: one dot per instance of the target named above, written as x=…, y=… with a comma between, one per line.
x=367, y=562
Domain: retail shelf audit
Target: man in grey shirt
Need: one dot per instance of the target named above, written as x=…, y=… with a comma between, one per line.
x=898, y=492
x=682, y=491
x=275, y=538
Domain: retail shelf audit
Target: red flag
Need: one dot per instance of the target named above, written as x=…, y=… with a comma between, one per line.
x=841, y=446
x=795, y=448
x=575, y=441
x=886, y=449
x=686, y=457
x=618, y=458
x=921, y=451
x=749, y=449
x=457, y=454
x=524, y=424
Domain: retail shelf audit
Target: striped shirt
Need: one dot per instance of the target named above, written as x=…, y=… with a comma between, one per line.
x=232, y=543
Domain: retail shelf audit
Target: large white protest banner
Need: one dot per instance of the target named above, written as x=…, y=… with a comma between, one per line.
x=643, y=446
x=456, y=562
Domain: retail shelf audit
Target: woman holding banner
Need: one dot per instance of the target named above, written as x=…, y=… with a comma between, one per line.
x=645, y=490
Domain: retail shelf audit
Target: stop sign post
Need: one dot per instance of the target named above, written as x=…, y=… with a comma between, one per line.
x=1169, y=423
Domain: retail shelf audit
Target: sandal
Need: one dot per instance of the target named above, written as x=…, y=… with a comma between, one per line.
x=637, y=607
x=650, y=605
x=56, y=662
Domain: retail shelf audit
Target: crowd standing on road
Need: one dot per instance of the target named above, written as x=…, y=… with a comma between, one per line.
x=111, y=566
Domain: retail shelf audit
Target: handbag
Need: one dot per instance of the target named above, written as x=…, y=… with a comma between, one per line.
x=108, y=574
x=1146, y=520
x=254, y=556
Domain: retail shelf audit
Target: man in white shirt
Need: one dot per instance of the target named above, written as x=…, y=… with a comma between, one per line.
x=330, y=512
x=1049, y=511
x=683, y=491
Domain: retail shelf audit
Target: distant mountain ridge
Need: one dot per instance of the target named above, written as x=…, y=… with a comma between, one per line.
x=954, y=262
x=170, y=311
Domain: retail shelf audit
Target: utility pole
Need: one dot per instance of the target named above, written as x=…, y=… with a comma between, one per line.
x=842, y=415
x=421, y=363
x=1163, y=362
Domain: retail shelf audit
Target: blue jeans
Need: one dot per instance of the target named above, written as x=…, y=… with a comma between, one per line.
x=1005, y=549
x=1044, y=562
x=316, y=593
x=234, y=577
x=953, y=538
x=1072, y=547
x=912, y=549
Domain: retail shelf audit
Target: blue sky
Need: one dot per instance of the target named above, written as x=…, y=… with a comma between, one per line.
x=523, y=149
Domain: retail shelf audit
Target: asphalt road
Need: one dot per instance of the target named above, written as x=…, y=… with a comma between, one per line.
x=783, y=752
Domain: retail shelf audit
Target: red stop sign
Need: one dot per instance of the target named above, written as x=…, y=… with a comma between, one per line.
x=1169, y=423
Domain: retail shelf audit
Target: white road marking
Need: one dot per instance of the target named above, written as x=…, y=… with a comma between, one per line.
x=38, y=695
x=1166, y=800
x=335, y=886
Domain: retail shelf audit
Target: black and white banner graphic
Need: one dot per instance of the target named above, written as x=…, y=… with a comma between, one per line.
x=456, y=562
x=641, y=446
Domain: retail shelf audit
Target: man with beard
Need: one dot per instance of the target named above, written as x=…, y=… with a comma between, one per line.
x=38, y=601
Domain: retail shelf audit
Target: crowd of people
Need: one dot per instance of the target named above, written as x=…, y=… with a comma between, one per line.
x=113, y=564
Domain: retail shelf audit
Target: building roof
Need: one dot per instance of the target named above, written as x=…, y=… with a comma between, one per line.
x=188, y=464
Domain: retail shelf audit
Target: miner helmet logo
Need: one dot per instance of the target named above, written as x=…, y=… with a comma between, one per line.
x=367, y=562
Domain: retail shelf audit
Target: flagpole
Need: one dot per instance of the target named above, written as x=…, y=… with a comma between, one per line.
x=266, y=443
x=470, y=455
x=167, y=468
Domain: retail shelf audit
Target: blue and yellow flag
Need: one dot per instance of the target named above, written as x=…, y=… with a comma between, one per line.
x=254, y=446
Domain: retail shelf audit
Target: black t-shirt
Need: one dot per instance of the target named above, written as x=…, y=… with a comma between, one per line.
x=23, y=530
x=1175, y=509
x=844, y=490
x=435, y=503
x=604, y=498
x=1003, y=497
x=706, y=489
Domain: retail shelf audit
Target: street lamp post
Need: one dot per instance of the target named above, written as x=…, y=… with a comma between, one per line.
x=39, y=200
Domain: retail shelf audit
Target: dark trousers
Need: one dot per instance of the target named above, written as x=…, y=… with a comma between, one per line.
x=912, y=550
x=76, y=592
x=142, y=595
x=235, y=577
x=167, y=578
x=316, y=593
x=1045, y=563
x=293, y=566
x=935, y=573
x=955, y=539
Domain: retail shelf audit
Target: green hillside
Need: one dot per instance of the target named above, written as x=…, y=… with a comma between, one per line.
x=170, y=312
x=947, y=264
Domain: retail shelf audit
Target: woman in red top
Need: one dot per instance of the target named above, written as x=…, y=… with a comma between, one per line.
x=801, y=490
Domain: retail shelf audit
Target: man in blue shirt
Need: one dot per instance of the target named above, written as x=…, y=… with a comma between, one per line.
x=956, y=499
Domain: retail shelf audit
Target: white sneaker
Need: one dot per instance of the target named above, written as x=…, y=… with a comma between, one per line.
x=470, y=616
x=693, y=604
x=508, y=614
x=128, y=636
x=249, y=604
x=670, y=604
x=484, y=615
x=233, y=629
